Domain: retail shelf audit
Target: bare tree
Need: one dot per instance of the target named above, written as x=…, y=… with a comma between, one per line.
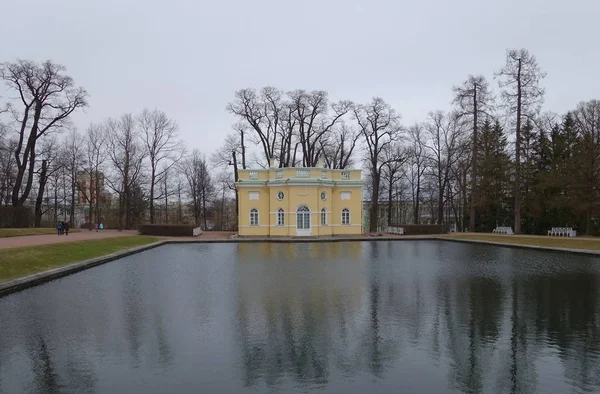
x=339, y=146
x=443, y=143
x=417, y=164
x=90, y=186
x=522, y=95
x=380, y=126
x=163, y=150
x=288, y=137
x=47, y=98
x=50, y=165
x=474, y=101
x=227, y=155
x=8, y=167
x=200, y=186
x=74, y=154
x=263, y=113
x=127, y=156
x=393, y=171
x=310, y=111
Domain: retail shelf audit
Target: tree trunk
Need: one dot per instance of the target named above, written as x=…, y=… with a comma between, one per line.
x=166, y=202
x=374, y=215
x=390, y=196
x=235, y=178
x=204, y=212
x=243, y=151
x=518, y=156
x=55, y=205
x=180, y=213
x=417, y=198
x=121, y=211
x=152, y=180
x=472, y=212
x=40, y=197
x=73, y=196
x=97, y=196
x=18, y=198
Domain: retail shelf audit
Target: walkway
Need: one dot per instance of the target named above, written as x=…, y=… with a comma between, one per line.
x=35, y=240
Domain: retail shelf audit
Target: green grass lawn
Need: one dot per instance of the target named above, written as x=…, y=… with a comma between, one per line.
x=557, y=242
x=18, y=262
x=18, y=232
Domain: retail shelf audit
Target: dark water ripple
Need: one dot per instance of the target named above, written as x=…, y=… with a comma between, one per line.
x=364, y=317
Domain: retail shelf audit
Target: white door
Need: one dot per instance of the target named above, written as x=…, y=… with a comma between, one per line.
x=303, y=221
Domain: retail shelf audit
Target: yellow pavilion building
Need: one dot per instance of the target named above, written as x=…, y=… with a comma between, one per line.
x=299, y=202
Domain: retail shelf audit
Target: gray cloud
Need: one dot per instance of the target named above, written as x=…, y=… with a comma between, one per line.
x=188, y=57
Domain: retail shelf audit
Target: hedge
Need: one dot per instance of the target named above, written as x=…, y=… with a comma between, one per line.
x=12, y=217
x=171, y=230
x=422, y=229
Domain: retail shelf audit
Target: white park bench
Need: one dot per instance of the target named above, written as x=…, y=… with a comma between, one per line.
x=396, y=230
x=503, y=230
x=562, y=232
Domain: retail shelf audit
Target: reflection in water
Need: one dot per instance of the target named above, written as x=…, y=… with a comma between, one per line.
x=404, y=316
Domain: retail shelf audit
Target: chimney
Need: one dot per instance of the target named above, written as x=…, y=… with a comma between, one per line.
x=271, y=162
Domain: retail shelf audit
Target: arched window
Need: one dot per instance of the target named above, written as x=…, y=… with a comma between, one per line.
x=254, y=217
x=303, y=218
x=323, y=217
x=280, y=217
x=345, y=216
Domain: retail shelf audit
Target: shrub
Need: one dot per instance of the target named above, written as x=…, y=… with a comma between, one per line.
x=16, y=217
x=171, y=230
x=422, y=229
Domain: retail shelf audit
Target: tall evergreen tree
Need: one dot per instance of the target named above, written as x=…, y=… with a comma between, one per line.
x=494, y=182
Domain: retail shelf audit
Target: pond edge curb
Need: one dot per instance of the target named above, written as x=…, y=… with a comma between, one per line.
x=28, y=281
x=25, y=282
x=588, y=252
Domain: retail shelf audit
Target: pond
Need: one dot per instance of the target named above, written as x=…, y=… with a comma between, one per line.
x=350, y=317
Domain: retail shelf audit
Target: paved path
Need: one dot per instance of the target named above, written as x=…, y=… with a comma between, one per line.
x=35, y=240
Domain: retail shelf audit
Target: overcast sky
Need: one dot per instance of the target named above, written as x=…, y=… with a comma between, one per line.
x=188, y=57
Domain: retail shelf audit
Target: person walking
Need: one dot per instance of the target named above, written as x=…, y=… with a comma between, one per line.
x=59, y=228
x=101, y=226
x=66, y=228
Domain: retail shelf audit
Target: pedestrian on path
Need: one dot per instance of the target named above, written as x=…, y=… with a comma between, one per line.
x=66, y=228
x=101, y=226
x=59, y=228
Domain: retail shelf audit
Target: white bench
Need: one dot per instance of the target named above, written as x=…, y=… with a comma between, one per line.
x=562, y=232
x=503, y=230
x=395, y=230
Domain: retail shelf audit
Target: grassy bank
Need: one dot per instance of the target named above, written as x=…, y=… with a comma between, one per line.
x=18, y=262
x=553, y=242
x=18, y=232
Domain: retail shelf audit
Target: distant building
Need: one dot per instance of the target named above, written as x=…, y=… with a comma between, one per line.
x=86, y=188
x=299, y=202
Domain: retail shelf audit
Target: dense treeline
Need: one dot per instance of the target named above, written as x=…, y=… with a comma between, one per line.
x=121, y=172
x=493, y=157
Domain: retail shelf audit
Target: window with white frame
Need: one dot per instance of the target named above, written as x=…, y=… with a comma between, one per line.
x=323, y=217
x=254, y=217
x=280, y=217
x=345, y=216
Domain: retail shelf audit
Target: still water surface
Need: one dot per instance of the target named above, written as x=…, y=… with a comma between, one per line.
x=360, y=317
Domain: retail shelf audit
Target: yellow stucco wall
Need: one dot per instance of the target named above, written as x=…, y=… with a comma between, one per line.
x=300, y=186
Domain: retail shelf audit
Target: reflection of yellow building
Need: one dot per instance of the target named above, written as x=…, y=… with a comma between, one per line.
x=299, y=202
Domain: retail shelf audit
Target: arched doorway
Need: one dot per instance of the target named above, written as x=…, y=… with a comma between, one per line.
x=303, y=221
